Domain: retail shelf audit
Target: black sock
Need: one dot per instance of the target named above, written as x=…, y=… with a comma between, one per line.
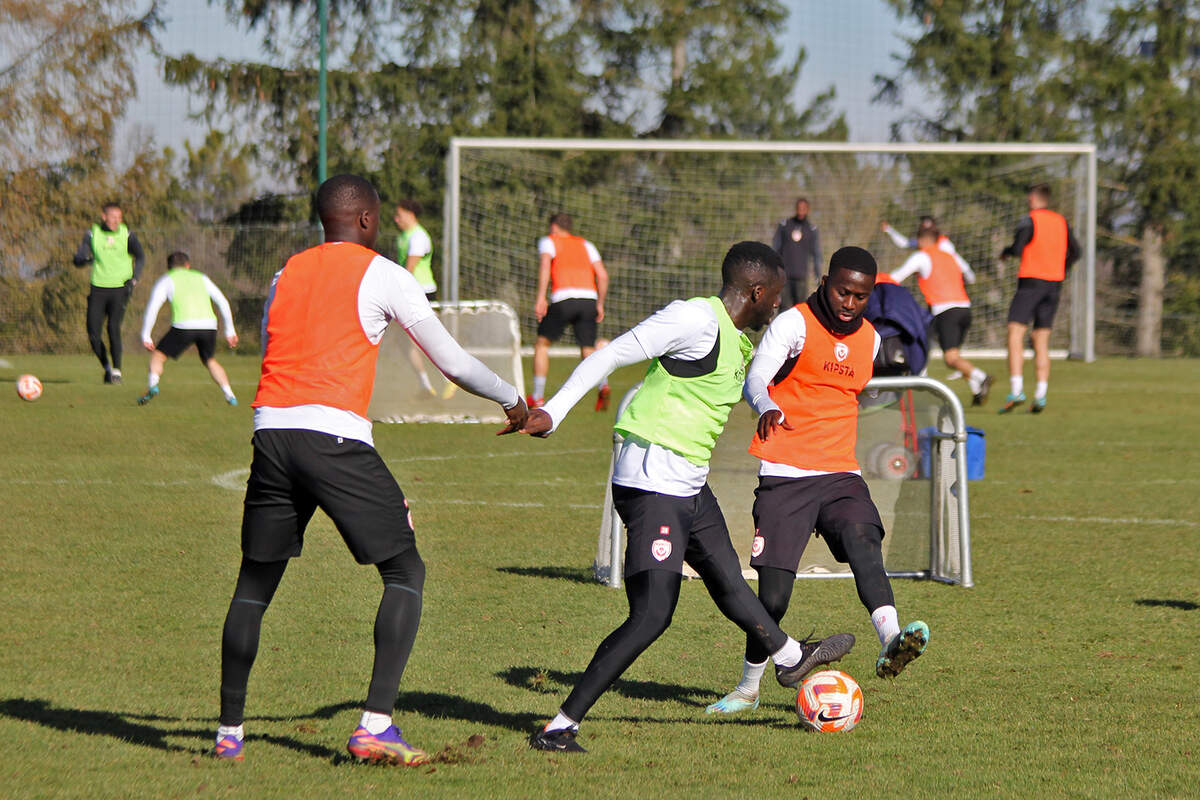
x=774, y=592
x=256, y=586
x=652, y=597
x=395, y=626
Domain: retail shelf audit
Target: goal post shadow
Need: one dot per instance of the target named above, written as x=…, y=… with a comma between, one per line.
x=912, y=447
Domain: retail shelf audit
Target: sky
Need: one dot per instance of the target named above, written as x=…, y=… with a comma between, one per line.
x=847, y=44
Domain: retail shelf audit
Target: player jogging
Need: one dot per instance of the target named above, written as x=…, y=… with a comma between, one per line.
x=327, y=311
x=660, y=479
x=192, y=296
x=940, y=276
x=414, y=252
x=116, y=258
x=813, y=361
x=1047, y=249
x=570, y=267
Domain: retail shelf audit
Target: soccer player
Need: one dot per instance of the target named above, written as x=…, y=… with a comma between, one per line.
x=1047, y=249
x=570, y=267
x=799, y=245
x=326, y=313
x=812, y=362
x=925, y=223
x=660, y=479
x=192, y=296
x=116, y=258
x=940, y=276
x=414, y=251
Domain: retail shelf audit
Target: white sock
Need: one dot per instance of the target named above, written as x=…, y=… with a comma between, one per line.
x=375, y=723
x=789, y=655
x=604, y=383
x=116, y=373
x=227, y=390
x=425, y=384
x=976, y=379
x=152, y=381
x=1016, y=384
x=886, y=622
x=539, y=387
x=751, y=677
x=236, y=731
x=562, y=722
x=1040, y=389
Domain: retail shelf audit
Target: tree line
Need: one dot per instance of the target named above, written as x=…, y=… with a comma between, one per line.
x=411, y=73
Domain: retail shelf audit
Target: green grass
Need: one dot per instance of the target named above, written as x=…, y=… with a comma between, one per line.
x=1067, y=671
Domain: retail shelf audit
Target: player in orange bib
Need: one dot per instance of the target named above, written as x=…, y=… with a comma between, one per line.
x=942, y=276
x=1047, y=249
x=804, y=383
x=327, y=310
x=570, y=268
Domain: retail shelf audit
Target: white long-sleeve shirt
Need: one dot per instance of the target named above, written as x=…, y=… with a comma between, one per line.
x=164, y=290
x=389, y=292
x=921, y=263
x=685, y=329
x=784, y=339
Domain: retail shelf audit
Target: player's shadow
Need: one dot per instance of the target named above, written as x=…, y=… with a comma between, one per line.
x=549, y=681
x=1182, y=605
x=437, y=704
x=573, y=574
x=152, y=730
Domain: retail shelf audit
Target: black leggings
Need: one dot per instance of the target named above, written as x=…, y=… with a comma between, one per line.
x=395, y=629
x=862, y=544
x=108, y=303
x=653, y=595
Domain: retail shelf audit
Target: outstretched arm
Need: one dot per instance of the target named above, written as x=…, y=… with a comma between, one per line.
x=898, y=238
x=222, y=304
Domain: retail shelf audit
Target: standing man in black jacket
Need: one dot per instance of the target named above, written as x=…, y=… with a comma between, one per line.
x=799, y=245
x=116, y=258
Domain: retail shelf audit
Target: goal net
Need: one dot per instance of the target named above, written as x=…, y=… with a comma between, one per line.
x=487, y=329
x=662, y=215
x=908, y=432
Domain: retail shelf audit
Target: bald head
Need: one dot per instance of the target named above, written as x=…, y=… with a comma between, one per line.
x=348, y=206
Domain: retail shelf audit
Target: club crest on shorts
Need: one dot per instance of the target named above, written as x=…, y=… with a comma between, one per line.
x=660, y=549
x=840, y=351
x=664, y=530
x=758, y=545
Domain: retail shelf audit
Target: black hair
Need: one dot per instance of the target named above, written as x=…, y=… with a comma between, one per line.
x=177, y=259
x=344, y=195
x=853, y=259
x=562, y=219
x=750, y=263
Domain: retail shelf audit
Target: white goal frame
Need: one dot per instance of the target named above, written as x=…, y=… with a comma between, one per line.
x=1082, y=287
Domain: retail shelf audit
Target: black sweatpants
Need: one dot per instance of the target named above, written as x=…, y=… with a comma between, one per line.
x=106, y=304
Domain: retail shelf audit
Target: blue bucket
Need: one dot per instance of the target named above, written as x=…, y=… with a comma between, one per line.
x=976, y=451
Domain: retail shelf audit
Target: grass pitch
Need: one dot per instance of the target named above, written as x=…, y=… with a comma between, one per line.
x=1067, y=671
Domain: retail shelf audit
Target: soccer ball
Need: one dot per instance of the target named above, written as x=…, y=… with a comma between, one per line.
x=29, y=387
x=829, y=701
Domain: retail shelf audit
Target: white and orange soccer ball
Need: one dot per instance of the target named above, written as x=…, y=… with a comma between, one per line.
x=829, y=701
x=29, y=387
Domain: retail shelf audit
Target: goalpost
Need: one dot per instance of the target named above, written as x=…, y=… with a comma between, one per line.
x=662, y=213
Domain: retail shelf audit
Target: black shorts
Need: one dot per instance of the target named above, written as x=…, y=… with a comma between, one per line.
x=787, y=510
x=663, y=530
x=296, y=471
x=177, y=340
x=1036, y=300
x=951, y=327
x=579, y=312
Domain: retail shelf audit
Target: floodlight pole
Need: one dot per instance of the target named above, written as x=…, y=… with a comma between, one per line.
x=322, y=100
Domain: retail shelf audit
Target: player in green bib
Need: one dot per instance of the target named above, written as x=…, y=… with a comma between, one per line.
x=192, y=296
x=414, y=252
x=116, y=259
x=660, y=486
